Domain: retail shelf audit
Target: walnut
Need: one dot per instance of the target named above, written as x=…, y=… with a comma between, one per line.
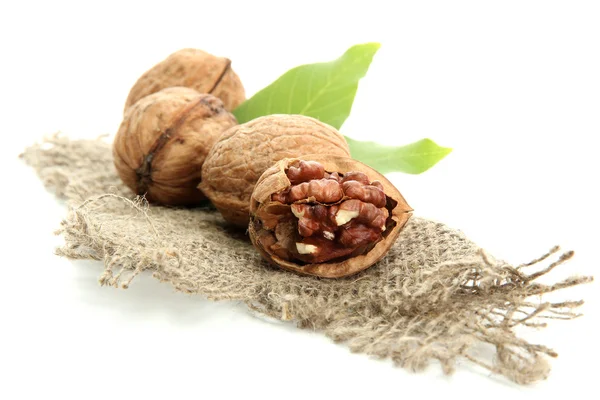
x=163, y=141
x=317, y=230
x=244, y=152
x=195, y=69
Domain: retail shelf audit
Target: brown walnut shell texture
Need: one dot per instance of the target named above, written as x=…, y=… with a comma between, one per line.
x=195, y=69
x=162, y=143
x=244, y=152
x=275, y=180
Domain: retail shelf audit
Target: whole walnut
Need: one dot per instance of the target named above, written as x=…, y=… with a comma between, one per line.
x=244, y=152
x=195, y=69
x=163, y=140
x=325, y=216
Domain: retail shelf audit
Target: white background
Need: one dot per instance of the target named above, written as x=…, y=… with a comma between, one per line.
x=512, y=86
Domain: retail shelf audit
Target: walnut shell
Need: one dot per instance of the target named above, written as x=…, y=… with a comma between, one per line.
x=163, y=141
x=195, y=69
x=244, y=152
x=275, y=180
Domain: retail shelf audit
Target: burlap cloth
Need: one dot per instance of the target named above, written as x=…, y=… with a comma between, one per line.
x=435, y=296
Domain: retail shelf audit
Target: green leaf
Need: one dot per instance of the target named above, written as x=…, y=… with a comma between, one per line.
x=324, y=91
x=413, y=158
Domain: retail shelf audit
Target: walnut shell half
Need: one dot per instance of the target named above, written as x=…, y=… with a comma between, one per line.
x=325, y=216
x=163, y=140
x=244, y=152
x=195, y=69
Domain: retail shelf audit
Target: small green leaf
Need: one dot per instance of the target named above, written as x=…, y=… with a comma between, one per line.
x=324, y=91
x=413, y=158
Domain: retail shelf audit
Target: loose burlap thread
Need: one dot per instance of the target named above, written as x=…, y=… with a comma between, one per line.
x=435, y=296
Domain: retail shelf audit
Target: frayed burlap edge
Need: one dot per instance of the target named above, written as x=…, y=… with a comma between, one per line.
x=438, y=313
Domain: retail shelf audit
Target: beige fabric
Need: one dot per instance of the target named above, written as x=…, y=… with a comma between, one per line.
x=435, y=296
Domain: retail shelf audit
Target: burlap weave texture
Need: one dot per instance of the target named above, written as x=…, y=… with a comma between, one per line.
x=435, y=296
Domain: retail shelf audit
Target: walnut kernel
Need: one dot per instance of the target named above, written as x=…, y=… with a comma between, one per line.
x=321, y=231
